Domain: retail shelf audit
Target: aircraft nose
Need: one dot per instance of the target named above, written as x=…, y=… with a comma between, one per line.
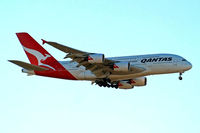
x=188, y=66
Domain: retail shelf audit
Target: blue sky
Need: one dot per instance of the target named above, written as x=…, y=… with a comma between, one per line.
x=115, y=28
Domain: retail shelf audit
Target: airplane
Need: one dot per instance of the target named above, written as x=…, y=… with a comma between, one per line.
x=124, y=72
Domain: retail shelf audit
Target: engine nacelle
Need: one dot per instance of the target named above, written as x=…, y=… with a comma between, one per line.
x=141, y=81
x=123, y=84
x=95, y=58
x=122, y=66
x=129, y=84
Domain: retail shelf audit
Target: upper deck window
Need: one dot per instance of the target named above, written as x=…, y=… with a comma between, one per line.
x=183, y=59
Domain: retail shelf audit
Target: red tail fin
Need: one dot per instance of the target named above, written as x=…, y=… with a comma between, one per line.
x=37, y=55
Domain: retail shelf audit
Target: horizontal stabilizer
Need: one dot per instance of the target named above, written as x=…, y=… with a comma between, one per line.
x=28, y=66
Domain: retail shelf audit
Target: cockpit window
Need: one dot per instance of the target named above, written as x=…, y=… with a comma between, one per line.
x=183, y=59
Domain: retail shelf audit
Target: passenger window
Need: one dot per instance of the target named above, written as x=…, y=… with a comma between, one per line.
x=183, y=59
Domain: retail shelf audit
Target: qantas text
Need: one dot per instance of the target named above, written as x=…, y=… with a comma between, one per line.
x=157, y=59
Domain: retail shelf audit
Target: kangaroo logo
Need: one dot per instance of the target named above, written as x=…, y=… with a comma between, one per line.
x=40, y=57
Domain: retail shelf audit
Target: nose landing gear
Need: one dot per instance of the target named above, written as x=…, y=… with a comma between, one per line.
x=180, y=76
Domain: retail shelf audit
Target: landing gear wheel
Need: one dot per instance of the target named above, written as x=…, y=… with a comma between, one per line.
x=180, y=78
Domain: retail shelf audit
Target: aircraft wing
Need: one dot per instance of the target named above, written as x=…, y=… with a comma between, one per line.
x=99, y=69
x=63, y=48
x=78, y=56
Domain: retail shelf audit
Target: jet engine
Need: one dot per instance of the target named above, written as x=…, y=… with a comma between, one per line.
x=123, y=84
x=95, y=58
x=129, y=84
x=141, y=81
x=121, y=66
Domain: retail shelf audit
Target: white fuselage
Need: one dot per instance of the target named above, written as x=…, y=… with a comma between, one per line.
x=152, y=64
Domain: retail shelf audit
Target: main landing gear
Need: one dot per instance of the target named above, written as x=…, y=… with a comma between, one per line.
x=106, y=83
x=180, y=76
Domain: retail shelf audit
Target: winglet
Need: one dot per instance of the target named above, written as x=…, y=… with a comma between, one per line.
x=43, y=41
